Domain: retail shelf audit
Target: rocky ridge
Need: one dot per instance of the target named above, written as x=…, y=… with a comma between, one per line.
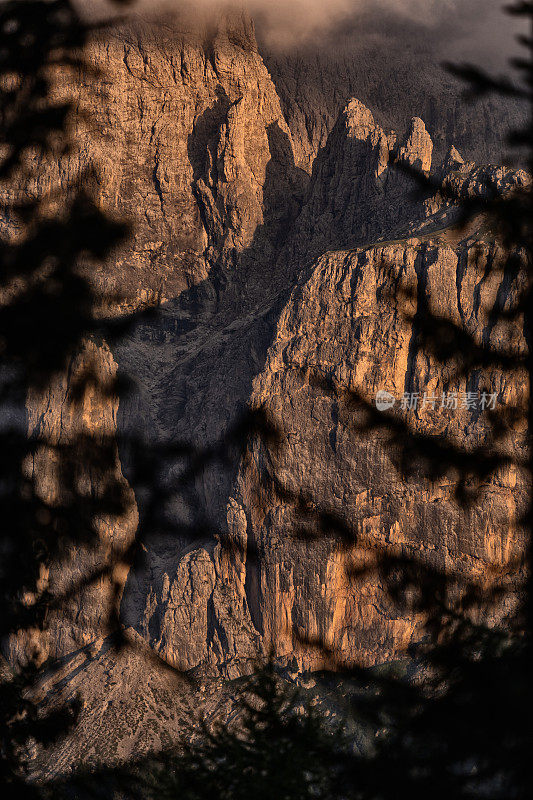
x=266, y=279
x=341, y=322
x=395, y=68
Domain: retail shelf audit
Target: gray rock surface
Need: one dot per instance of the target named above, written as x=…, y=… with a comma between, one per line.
x=395, y=68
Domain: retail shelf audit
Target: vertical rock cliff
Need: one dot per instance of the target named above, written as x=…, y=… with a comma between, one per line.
x=350, y=320
x=267, y=281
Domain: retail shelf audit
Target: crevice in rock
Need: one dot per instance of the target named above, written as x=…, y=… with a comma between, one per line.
x=157, y=182
x=214, y=627
x=421, y=264
x=462, y=263
x=252, y=591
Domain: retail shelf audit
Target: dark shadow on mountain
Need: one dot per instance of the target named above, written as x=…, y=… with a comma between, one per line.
x=201, y=144
x=199, y=355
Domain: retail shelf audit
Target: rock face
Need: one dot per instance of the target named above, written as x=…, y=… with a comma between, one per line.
x=340, y=325
x=336, y=319
x=185, y=131
x=67, y=474
x=268, y=279
x=344, y=321
x=357, y=194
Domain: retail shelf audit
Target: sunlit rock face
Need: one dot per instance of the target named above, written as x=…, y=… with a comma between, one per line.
x=347, y=316
x=182, y=125
x=340, y=326
x=280, y=290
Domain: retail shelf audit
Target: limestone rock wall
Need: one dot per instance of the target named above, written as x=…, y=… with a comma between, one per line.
x=351, y=319
x=341, y=325
x=267, y=278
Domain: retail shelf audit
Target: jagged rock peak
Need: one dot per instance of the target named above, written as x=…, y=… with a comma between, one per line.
x=452, y=160
x=358, y=119
x=417, y=149
x=357, y=195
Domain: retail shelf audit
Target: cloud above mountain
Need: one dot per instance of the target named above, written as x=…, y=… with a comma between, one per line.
x=478, y=29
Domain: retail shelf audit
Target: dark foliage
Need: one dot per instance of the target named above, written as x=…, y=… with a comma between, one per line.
x=47, y=313
x=461, y=728
x=276, y=745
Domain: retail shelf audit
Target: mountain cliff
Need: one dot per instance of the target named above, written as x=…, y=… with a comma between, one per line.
x=337, y=321
x=286, y=276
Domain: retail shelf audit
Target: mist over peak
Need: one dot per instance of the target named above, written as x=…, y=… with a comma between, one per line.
x=478, y=31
